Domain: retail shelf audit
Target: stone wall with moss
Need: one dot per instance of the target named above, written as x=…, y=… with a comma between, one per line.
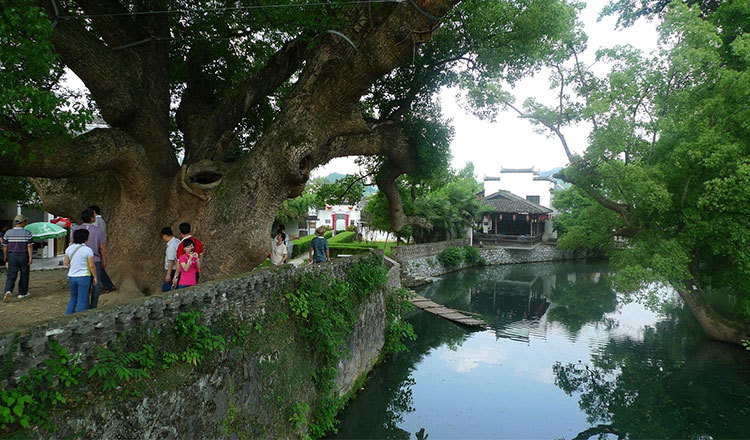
x=263, y=383
x=416, y=271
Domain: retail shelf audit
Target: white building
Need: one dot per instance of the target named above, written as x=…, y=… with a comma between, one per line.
x=338, y=217
x=523, y=182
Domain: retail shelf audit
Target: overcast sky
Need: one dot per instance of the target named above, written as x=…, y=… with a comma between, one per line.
x=511, y=142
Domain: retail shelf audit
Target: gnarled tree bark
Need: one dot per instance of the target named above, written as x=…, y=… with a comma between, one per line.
x=131, y=169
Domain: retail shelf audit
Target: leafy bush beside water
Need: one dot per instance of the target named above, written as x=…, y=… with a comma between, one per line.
x=453, y=256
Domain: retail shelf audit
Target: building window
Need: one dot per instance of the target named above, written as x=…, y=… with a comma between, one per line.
x=328, y=221
x=534, y=199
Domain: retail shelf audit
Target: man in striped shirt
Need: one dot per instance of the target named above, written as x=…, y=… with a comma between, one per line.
x=17, y=249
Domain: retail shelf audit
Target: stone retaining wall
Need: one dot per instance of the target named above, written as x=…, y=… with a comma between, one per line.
x=197, y=406
x=402, y=253
x=419, y=270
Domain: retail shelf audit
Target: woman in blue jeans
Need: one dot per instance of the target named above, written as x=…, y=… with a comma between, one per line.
x=79, y=258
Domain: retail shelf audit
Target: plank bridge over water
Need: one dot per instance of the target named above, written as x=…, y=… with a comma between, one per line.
x=457, y=316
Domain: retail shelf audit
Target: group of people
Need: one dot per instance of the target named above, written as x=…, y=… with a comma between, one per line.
x=183, y=258
x=281, y=248
x=86, y=259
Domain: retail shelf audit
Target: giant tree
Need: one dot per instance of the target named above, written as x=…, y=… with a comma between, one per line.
x=252, y=95
x=668, y=158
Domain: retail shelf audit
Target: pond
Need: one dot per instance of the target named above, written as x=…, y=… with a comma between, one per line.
x=567, y=357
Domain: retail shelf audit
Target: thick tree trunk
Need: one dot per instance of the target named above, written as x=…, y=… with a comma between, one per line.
x=130, y=169
x=716, y=326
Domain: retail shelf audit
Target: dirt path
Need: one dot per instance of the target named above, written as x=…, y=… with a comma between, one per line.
x=49, y=299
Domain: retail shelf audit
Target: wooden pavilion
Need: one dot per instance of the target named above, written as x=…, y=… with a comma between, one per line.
x=513, y=218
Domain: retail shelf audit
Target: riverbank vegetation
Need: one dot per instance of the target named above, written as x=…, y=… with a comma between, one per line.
x=666, y=175
x=294, y=345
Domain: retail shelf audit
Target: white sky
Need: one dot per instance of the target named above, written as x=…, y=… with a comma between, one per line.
x=510, y=141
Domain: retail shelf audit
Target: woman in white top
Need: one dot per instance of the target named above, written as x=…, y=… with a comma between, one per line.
x=278, y=250
x=79, y=258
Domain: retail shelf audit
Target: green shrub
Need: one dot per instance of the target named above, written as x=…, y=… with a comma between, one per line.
x=325, y=311
x=343, y=237
x=302, y=245
x=451, y=256
x=350, y=248
x=471, y=255
x=351, y=228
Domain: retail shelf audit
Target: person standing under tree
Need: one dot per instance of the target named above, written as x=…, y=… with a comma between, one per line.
x=170, y=259
x=278, y=250
x=79, y=258
x=18, y=248
x=185, y=233
x=107, y=284
x=319, y=247
x=98, y=243
x=189, y=263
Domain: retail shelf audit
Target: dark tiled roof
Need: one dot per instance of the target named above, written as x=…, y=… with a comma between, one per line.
x=506, y=201
x=518, y=170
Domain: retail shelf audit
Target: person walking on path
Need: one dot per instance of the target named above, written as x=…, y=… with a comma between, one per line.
x=170, y=259
x=98, y=244
x=79, y=258
x=18, y=247
x=185, y=233
x=107, y=284
x=190, y=264
x=319, y=247
x=278, y=250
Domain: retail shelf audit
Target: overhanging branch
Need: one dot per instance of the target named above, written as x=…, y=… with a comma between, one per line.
x=97, y=150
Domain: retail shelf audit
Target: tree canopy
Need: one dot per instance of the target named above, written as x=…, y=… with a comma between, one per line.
x=216, y=113
x=666, y=164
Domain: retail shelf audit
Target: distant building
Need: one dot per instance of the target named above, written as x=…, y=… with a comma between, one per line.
x=523, y=182
x=521, y=200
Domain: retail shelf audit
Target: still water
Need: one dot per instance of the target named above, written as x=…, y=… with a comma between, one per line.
x=567, y=358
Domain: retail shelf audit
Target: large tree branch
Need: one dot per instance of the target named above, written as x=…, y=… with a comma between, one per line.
x=209, y=122
x=715, y=325
x=384, y=139
x=104, y=71
x=97, y=150
x=387, y=183
x=108, y=16
x=577, y=162
x=598, y=430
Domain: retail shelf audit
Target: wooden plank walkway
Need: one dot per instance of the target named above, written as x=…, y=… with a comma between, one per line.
x=445, y=312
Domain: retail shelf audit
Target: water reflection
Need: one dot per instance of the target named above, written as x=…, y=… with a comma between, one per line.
x=674, y=384
x=564, y=359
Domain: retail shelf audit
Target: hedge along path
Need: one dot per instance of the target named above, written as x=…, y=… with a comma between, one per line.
x=445, y=312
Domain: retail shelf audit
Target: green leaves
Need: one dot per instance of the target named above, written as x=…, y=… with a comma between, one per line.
x=327, y=310
x=32, y=101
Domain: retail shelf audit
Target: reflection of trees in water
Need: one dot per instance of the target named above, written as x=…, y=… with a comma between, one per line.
x=378, y=410
x=571, y=293
x=674, y=384
x=580, y=301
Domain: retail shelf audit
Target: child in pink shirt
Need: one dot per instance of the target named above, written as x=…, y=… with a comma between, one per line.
x=189, y=265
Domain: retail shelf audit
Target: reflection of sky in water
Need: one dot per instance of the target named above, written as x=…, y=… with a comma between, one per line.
x=471, y=393
x=500, y=383
x=492, y=387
